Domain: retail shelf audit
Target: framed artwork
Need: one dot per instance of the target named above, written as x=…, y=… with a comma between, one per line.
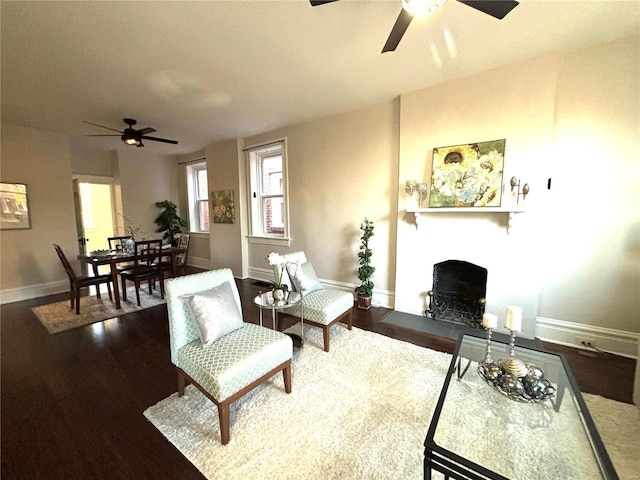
x=467, y=175
x=223, y=206
x=15, y=207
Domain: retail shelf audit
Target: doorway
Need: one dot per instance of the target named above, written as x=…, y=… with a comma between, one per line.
x=95, y=218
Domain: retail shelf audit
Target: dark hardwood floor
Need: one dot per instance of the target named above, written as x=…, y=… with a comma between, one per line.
x=72, y=403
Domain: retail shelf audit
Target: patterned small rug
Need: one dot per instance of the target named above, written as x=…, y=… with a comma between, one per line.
x=59, y=317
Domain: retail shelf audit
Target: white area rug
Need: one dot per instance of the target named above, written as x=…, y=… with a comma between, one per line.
x=59, y=317
x=361, y=411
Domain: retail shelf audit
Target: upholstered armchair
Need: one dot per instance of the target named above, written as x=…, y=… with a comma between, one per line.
x=320, y=307
x=214, y=349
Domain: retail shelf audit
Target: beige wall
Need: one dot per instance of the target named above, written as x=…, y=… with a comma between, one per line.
x=592, y=231
x=41, y=160
x=146, y=178
x=96, y=163
x=226, y=239
x=574, y=257
x=340, y=169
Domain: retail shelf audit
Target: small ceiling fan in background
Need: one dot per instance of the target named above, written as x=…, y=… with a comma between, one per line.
x=496, y=8
x=130, y=135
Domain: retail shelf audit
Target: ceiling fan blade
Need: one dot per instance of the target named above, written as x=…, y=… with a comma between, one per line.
x=496, y=8
x=401, y=25
x=315, y=3
x=156, y=139
x=102, y=126
x=144, y=131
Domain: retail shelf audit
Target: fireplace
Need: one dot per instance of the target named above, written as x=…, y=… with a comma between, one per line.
x=458, y=293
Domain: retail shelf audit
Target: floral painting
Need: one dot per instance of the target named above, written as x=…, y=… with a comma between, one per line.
x=223, y=206
x=468, y=175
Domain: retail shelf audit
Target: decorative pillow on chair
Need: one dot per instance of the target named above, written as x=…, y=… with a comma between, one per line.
x=303, y=277
x=215, y=311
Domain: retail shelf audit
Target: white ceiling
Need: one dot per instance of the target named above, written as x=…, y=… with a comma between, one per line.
x=203, y=71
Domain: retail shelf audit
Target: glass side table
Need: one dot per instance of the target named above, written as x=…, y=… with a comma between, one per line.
x=266, y=300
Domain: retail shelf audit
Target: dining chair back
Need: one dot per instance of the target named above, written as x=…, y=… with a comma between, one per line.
x=77, y=282
x=146, y=266
x=183, y=243
x=117, y=243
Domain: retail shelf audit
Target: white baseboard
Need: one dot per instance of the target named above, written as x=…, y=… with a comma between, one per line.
x=381, y=298
x=199, y=262
x=610, y=340
x=10, y=295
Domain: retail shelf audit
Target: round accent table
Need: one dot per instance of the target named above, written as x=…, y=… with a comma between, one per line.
x=266, y=300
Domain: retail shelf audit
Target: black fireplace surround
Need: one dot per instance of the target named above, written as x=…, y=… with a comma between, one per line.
x=458, y=293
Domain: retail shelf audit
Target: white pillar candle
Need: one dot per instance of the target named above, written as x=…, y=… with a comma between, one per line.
x=489, y=320
x=514, y=318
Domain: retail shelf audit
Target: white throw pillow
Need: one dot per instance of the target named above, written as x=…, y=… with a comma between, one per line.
x=215, y=311
x=303, y=277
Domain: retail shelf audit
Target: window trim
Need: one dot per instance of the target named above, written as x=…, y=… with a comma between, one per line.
x=193, y=201
x=256, y=230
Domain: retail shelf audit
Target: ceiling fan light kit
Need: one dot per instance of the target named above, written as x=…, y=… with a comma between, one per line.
x=495, y=8
x=421, y=7
x=131, y=136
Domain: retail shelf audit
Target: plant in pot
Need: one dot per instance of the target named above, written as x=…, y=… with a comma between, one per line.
x=278, y=288
x=169, y=222
x=365, y=269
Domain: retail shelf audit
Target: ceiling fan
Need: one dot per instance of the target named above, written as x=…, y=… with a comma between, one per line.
x=496, y=8
x=130, y=135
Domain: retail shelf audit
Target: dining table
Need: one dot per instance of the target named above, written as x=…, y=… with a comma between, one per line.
x=115, y=257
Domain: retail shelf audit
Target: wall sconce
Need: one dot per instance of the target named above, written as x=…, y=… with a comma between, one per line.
x=525, y=189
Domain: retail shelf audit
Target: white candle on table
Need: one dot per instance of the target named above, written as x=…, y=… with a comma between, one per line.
x=489, y=320
x=514, y=318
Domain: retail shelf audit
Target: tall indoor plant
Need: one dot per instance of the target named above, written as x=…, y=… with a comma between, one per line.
x=365, y=269
x=169, y=222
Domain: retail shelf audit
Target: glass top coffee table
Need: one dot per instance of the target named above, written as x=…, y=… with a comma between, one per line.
x=477, y=432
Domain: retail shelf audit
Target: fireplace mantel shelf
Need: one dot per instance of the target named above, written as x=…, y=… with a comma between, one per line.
x=421, y=213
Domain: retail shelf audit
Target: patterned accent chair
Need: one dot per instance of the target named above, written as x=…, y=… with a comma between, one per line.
x=320, y=307
x=234, y=363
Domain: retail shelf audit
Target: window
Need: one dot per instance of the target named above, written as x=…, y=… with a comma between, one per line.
x=197, y=193
x=268, y=190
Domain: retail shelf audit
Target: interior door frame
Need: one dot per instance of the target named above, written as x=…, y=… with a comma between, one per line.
x=94, y=179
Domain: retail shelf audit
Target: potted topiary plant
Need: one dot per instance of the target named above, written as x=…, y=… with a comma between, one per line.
x=365, y=269
x=169, y=222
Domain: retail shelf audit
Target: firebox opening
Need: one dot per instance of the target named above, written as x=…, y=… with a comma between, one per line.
x=458, y=293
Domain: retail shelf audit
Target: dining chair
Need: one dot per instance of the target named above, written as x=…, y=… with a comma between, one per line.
x=117, y=243
x=78, y=282
x=146, y=266
x=181, y=258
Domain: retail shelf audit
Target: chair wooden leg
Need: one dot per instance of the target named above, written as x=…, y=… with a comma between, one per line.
x=182, y=381
x=325, y=335
x=124, y=289
x=72, y=294
x=286, y=373
x=109, y=290
x=97, y=291
x=77, y=293
x=223, y=416
x=138, y=291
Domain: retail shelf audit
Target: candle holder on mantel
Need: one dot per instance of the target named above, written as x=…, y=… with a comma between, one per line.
x=520, y=381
